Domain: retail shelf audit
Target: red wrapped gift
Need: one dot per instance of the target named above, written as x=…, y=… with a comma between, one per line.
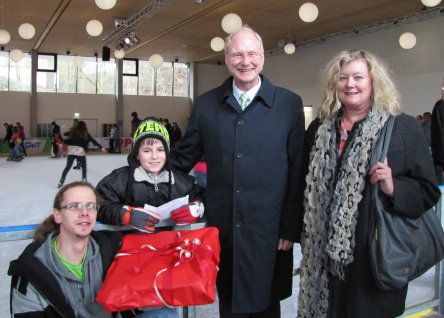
x=171, y=268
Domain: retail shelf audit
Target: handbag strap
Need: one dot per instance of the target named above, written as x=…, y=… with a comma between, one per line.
x=382, y=144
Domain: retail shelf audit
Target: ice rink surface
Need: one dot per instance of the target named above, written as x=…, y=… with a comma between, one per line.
x=27, y=190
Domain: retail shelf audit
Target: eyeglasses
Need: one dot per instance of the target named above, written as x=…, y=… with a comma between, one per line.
x=240, y=56
x=77, y=206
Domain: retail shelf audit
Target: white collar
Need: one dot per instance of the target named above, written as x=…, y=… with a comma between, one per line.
x=251, y=93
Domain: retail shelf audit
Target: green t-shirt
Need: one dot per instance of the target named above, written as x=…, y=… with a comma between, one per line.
x=76, y=269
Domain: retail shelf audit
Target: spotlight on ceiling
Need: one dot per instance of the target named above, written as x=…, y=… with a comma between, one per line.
x=129, y=40
x=198, y=1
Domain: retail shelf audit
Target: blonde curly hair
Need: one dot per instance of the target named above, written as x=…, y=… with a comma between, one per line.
x=384, y=96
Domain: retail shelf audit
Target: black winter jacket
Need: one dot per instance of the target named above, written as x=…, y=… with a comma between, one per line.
x=77, y=140
x=119, y=188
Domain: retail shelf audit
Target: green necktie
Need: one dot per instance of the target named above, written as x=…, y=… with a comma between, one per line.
x=243, y=100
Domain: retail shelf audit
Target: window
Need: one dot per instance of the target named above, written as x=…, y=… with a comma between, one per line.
x=180, y=79
x=4, y=71
x=87, y=76
x=20, y=74
x=164, y=80
x=66, y=74
x=58, y=74
x=106, y=77
x=130, y=80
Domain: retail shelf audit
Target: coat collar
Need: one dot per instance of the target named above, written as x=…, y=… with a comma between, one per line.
x=265, y=93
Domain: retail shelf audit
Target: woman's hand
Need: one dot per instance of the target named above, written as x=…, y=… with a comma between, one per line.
x=383, y=173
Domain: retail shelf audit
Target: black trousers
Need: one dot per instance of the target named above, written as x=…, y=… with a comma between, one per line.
x=272, y=311
x=70, y=161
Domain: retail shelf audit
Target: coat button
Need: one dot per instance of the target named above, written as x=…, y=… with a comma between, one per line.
x=239, y=155
x=240, y=122
x=238, y=190
x=238, y=224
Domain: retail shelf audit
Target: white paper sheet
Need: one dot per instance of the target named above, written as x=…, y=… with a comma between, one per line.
x=165, y=209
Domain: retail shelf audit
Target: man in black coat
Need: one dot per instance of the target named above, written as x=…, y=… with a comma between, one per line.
x=438, y=137
x=251, y=134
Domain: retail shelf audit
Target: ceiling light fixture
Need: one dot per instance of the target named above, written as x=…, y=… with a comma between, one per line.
x=78, y=61
x=119, y=53
x=289, y=48
x=308, y=12
x=106, y=4
x=156, y=60
x=26, y=31
x=231, y=23
x=430, y=3
x=5, y=37
x=407, y=40
x=217, y=44
x=94, y=27
x=16, y=55
x=129, y=40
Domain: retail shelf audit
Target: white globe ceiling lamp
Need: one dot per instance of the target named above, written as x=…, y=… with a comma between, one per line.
x=289, y=48
x=231, y=23
x=94, y=27
x=156, y=60
x=119, y=54
x=16, y=55
x=308, y=12
x=430, y=3
x=5, y=37
x=407, y=40
x=26, y=31
x=217, y=44
x=78, y=61
x=106, y=4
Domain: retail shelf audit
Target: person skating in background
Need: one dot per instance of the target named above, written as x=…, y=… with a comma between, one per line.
x=135, y=122
x=77, y=142
x=148, y=179
x=176, y=135
x=18, y=154
x=116, y=136
x=56, y=139
x=22, y=137
x=8, y=140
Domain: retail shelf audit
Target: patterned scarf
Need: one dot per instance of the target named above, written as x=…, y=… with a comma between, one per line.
x=333, y=192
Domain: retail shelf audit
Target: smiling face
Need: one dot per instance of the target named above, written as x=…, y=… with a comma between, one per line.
x=152, y=155
x=355, y=86
x=245, y=59
x=76, y=224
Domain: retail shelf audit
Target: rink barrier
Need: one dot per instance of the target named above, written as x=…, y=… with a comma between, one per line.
x=26, y=232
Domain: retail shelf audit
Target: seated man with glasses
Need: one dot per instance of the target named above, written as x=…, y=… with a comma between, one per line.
x=60, y=273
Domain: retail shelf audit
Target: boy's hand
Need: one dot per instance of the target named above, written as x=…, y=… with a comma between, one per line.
x=188, y=213
x=139, y=218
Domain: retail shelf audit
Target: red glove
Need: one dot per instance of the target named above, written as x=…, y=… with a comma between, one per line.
x=188, y=213
x=139, y=218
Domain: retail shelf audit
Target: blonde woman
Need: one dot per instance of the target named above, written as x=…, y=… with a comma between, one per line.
x=358, y=98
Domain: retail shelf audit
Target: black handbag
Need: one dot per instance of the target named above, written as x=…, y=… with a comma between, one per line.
x=401, y=249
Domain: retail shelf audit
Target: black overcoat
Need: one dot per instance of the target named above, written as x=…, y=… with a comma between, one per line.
x=415, y=192
x=253, y=186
